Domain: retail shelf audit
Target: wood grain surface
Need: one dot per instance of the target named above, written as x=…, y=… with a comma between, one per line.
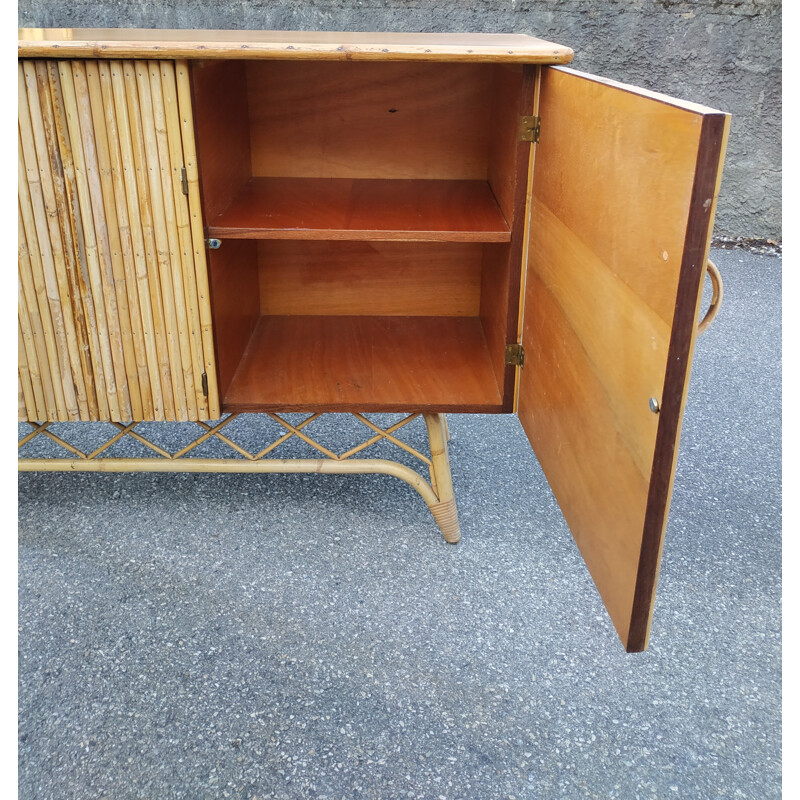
x=622, y=181
x=351, y=120
x=308, y=363
x=370, y=278
x=370, y=210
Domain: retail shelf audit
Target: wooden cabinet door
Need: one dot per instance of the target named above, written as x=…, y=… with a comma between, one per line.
x=114, y=315
x=622, y=201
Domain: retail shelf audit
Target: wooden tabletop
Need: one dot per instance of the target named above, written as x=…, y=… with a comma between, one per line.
x=149, y=43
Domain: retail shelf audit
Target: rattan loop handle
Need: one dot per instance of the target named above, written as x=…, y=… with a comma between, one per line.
x=717, y=294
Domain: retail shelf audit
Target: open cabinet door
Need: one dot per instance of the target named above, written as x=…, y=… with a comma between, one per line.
x=622, y=201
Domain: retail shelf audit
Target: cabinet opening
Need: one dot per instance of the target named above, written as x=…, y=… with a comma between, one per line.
x=371, y=221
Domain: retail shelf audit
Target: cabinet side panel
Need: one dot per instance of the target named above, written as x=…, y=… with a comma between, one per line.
x=233, y=274
x=219, y=105
x=613, y=197
x=509, y=162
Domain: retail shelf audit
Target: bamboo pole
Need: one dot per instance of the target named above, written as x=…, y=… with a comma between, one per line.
x=171, y=222
x=114, y=186
x=28, y=372
x=73, y=86
x=32, y=322
x=83, y=303
x=38, y=304
x=22, y=409
x=161, y=238
x=163, y=336
x=109, y=239
x=321, y=466
x=49, y=237
x=186, y=249
x=444, y=510
x=52, y=181
x=72, y=235
x=34, y=219
x=198, y=238
x=141, y=278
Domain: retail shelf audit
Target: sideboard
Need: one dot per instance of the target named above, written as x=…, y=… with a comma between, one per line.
x=214, y=223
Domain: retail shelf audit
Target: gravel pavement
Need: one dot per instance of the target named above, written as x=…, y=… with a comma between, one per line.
x=229, y=636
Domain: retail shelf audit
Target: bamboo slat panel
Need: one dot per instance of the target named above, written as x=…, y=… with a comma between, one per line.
x=114, y=317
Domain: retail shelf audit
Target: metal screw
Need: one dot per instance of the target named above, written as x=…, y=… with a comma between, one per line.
x=654, y=406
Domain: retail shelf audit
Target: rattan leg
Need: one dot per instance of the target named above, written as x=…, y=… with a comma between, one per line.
x=444, y=511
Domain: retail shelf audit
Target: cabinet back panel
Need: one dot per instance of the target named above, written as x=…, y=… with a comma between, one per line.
x=370, y=278
x=378, y=120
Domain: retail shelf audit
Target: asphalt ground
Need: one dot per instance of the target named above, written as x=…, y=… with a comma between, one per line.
x=215, y=636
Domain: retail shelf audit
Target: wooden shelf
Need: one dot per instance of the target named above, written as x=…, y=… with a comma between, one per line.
x=363, y=209
x=362, y=363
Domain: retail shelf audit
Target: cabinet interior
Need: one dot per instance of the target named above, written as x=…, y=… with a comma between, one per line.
x=370, y=218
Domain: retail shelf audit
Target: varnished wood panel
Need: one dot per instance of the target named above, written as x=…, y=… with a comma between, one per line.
x=219, y=95
x=233, y=273
x=370, y=210
x=365, y=364
x=370, y=278
x=394, y=120
x=623, y=193
x=494, y=305
x=108, y=273
x=508, y=103
x=146, y=43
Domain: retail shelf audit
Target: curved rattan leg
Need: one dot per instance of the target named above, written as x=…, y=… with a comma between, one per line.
x=444, y=511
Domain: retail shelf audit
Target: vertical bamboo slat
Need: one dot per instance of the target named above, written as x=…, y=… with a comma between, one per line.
x=130, y=195
x=144, y=214
x=173, y=125
x=114, y=320
x=171, y=222
x=76, y=98
x=52, y=180
x=36, y=404
x=34, y=218
x=22, y=407
x=124, y=267
x=198, y=238
x=36, y=296
x=161, y=238
x=108, y=237
x=72, y=228
x=51, y=103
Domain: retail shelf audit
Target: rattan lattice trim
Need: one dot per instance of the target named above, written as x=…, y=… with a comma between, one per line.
x=215, y=430
x=438, y=494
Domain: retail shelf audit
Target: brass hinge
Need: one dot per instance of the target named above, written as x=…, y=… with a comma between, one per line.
x=184, y=181
x=204, y=383
x=529, y=128
x=515, y=355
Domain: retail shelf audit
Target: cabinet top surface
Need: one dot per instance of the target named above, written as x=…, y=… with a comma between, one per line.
x=149, y=43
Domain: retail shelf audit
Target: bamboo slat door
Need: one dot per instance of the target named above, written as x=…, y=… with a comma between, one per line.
x=114, y=312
